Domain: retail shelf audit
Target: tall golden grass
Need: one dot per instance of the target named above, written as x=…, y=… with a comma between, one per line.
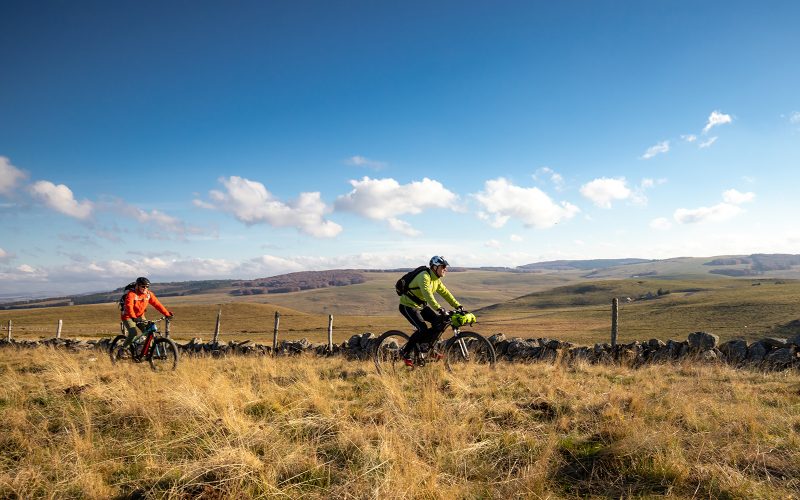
x=75, y=426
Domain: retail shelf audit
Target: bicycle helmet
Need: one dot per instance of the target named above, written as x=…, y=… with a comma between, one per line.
x=438, y=260
x=142, y=281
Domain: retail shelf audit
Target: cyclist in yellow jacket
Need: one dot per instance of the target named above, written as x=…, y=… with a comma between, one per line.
x=419, y=305
x=136, y=302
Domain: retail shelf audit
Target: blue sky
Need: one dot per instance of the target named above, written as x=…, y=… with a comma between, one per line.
x=199, y=140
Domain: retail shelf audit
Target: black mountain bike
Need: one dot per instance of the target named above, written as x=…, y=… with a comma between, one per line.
x=463, y=347
x=152, y=346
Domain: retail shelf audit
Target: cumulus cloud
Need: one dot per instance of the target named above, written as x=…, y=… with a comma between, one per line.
x=492, y=244
x=5, y=256
x=385, y=199
x=556, y=178
x=503, y=200
x=60, y=198
x=10, y=176
x=736, y=197
x=661, y=147
x=716, y=118
x=402, y=226
x=708, y=143
x=360, y=161
x=166, y=225
x=689, y=137
x=720, y=212
x=603, y=191
x=251, y=203
x=794, y=117
x=515, y=238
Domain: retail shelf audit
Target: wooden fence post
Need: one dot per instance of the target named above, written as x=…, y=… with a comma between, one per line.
x=8, y=336
x=330, y=333
x=614, y=321
x=275, y=333
x=216, y=328
x=58, y=330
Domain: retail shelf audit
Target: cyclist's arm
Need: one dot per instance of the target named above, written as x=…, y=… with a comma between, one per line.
x=445, y=293
x=158, y=305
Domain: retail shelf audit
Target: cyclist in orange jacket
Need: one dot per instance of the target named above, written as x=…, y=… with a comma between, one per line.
x=136, y=302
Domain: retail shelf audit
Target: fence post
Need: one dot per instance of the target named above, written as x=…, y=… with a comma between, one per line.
x=8, y=336
x=330, y=333
x=216, y=328
x=58, y=330
x=614, y=321
x=275, y=333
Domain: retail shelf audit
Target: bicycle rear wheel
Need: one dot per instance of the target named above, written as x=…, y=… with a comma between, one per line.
x=164, y=356
x=116, y=351
x=388, y=351
x=469, y=348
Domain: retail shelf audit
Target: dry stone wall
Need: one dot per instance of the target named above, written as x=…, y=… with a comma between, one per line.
x=767, y=353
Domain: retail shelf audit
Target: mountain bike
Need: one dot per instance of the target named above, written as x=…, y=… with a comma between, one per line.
x=462, y=348
x=152, y=346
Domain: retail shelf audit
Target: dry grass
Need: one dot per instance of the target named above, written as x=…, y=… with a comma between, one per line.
x=75, y=426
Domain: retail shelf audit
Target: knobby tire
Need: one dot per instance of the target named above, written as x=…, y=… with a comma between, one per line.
x=164, y=355
x=387, y=354
x=469, y=348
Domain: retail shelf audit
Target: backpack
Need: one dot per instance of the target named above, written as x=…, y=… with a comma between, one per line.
x=130, y=286
x=401, y=287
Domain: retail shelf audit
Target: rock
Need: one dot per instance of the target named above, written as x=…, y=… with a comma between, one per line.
x=703, y=341
x=734, y=351
x=774, y=343
x=757, y=352
x=794, y=340
x=709, y=355
x=497, y=338
x=655, y=344
x=782, y=358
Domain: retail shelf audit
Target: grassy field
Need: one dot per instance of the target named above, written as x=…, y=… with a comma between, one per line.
x=74, y=426
x=578, y=312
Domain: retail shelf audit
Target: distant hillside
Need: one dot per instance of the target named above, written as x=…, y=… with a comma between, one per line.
x=582, y=265
x=295, y=282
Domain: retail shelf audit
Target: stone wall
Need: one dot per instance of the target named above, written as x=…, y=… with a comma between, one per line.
x=768, y=353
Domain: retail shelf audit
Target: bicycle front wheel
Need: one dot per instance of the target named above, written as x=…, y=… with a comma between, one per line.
x=388, y=351
x=164, y=356
x=469, y=348
x=117, y=352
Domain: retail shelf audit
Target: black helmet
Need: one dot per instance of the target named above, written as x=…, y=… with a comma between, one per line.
x=142, y=281
x=438, y=260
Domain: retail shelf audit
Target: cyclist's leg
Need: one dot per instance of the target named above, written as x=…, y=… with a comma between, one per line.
x=132, y=329
x=414, y=316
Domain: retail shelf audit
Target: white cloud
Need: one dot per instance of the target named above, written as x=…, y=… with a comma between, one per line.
x=60, y=198
x=794, y=117
x=689, y=137
x=726, y=210
x=402, y=226
x=251, y=203
x=515, y=238
x=717, y=213
x=708, y=143
x=10, y=176
x=556, y=178
x=385, y=199
x=166, y=225
x=492, y=244
x=661, y=224
x=503, y=200
x=716, y=118
x=360, y=161
x=736, y=197
x=4, y=256
x=603, y=191
x=661, y=147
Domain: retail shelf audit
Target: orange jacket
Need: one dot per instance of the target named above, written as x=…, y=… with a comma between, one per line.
x=136, y=305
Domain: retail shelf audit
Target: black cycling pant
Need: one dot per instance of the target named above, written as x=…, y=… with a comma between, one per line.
x=423, y=334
